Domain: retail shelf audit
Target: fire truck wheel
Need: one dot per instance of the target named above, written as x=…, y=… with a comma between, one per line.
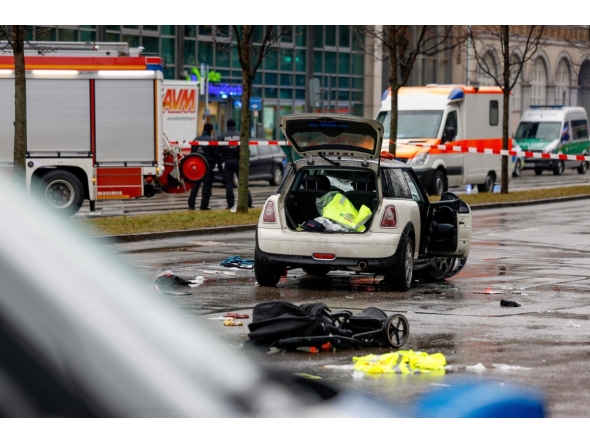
x=63, y=191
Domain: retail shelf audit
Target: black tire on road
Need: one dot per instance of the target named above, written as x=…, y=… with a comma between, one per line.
x=538, y=171
x=277, y=176
x=583, y=168
x=438, y=184
x=62, y=191
x=267, y=275
x=442, y=266
x=488, y=185
x=559, y=168
x=400, y=275
x=316, y=270
x=517, y=168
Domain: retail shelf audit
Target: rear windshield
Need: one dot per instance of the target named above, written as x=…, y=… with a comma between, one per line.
x=546, y=131
x=310, y=135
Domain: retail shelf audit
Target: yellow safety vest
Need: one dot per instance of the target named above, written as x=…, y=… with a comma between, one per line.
x=339, y=209
x=403, y=361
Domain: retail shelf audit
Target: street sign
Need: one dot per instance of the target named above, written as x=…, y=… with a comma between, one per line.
x=255, y=103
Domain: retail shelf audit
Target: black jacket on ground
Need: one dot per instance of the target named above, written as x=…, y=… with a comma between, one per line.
x=230, y=152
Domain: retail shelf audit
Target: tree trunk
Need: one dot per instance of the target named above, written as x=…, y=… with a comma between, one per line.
x=247, y=77
x=20, y=104
x=506, y=105
x=394, y=84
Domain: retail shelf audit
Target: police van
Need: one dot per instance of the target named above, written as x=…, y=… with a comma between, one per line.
x=555, y=130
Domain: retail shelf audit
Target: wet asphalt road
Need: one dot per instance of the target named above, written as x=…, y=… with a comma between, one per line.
x=537, y=256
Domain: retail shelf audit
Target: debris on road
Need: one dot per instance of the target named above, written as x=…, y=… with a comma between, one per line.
x=238, y=262
x=168, y=279
x=219, y=318
x=504, y=303
x=307, y=376
x=572, y=324
x=510, y=367
x=488, y=291
x=231, y=322
x=237, y=315
x=476, y=368
x=403, y=361
x=229, y=273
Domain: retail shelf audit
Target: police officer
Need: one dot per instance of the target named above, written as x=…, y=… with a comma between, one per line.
x=231, y=159
x=213, y=156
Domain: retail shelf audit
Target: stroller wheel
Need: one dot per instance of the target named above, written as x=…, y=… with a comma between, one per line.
x=397, y=330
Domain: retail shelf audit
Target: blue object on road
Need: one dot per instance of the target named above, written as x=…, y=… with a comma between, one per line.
x=481, y=400
x=237, y=261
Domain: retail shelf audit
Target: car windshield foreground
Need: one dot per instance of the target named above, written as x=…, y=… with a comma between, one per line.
x=344, y=209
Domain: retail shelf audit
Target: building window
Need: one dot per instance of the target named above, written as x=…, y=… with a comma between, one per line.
x=490, y=66
x=538, y=83
x=562, y=83
x=516, y=95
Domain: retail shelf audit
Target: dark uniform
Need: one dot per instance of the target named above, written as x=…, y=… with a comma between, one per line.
x=231, y=159
x=213, y=156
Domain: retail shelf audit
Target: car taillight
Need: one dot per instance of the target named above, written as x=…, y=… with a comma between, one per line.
x=323, y=256
x=389, y=219
x=269, y=213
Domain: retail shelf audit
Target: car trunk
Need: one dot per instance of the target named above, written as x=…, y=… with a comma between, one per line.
x=358, y=186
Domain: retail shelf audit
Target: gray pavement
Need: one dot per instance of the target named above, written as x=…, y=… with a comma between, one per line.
x=537, y=256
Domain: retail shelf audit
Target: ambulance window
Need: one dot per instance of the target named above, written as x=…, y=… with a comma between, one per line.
x=450, y=129
x=580, y=129
x=494, y=113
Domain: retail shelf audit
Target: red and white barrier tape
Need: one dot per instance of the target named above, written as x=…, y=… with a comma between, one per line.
x=459, y=149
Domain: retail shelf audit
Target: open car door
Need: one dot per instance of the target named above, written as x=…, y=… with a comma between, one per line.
x=449, y=227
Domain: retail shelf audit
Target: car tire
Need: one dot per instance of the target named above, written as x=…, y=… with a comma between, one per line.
x=277, y=176
x=316, y=270
x=443, y=266
x=583, y=168
x=538, y=171
x=488, y=185
x=559, y=168
x=400, y=275
x=438, y=184
x=267, y=275
x=517, y=168
x=62, y=191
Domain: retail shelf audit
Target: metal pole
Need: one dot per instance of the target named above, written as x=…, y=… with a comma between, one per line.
x=329, y=92
x=207, y=92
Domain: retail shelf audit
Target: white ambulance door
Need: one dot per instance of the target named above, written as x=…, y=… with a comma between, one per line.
x=452, y=131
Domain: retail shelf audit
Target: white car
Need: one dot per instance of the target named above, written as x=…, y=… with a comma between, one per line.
x=404, y=232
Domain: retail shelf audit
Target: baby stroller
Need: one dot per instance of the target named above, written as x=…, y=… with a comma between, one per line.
x=287, y=326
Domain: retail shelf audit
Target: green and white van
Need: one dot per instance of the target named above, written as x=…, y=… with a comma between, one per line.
x=554, y=130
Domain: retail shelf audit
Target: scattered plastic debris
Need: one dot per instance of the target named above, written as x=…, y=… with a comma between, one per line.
x=509, y=367
x=219, y=318
x=231, y=322
x=307, y=376
x=488, y=291
x=476, y=368
x=572, y=324
x=168, y=278
x=238, y=262
x=504, y=303
x=237, y=315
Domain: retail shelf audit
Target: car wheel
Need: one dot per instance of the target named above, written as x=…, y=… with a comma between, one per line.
x=316, y=270
x=62, y=190
x=397, y=330
x=559, y=168
x=488, y=185
x=538, y=171
x=400, y=276
x=439, y=183
x=267, y=275
x=277, y=176
x=517, y=168
x=442, y=267
x=583, y=168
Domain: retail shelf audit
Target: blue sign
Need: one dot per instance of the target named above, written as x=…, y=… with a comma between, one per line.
x=255, y=103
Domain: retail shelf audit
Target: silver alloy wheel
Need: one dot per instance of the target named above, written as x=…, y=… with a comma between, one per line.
x=439, y=184
x=489, y=182
x=409, y=265
x=277, y=175
x=583, y=167
x=60, y=194
x=518, y=168
x=442, y=266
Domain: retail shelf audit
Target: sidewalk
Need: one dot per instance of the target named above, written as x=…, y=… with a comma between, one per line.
x=122, y=238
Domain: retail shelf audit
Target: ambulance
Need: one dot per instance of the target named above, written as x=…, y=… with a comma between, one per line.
x=457, y=115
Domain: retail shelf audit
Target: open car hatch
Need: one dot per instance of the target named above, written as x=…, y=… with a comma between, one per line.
x=333, y=135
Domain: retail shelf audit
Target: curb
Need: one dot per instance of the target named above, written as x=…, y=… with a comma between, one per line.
x=124, y=238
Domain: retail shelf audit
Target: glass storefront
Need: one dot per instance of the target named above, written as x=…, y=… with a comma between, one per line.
x=330, y=53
